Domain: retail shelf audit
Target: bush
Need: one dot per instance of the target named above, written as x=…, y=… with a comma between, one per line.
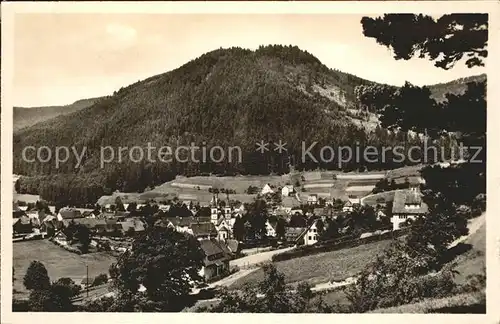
x=100, y=279
x=395, y=279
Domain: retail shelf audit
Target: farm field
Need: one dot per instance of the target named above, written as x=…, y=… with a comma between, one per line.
x=371, y=200
x=324, y=267
x=25, y=197
x=59, y=262
x=407, y=171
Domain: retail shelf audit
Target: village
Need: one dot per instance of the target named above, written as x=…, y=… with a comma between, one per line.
x=233, y=236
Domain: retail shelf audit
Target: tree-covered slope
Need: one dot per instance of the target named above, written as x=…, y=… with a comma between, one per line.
x=25, y=117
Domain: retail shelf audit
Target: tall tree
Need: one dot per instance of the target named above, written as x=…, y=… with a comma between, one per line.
x=445, y=40
x=166, y=263
x=36, y=277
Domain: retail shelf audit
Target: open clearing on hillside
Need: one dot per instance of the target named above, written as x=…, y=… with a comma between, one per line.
x=59, y=262
x=407, y=171
x=324, y=267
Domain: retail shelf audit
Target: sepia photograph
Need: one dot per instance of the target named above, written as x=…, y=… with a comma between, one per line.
x=233, y=162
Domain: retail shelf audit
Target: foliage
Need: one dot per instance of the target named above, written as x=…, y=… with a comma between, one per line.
x=36, y=277
x=100, y=279
x=280, y=228
x=239, y=229
x=47, y=297
x=256, y=216
x=271, y=295
x=395, y=278
x=445, y=40
x=165, y=262
x=102, y=304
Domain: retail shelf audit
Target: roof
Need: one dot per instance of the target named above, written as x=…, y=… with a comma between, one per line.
x=136, y=224
x=122, y=213
x=221, y=220
x=202, y=229
x=213, y=248
x=210, y=248
x=181, y=221
x=88, y=222
x=70, y=213
x=405, y=197
x=294, y=233
x=290, y=202
x=24, y=220
x=318, y=211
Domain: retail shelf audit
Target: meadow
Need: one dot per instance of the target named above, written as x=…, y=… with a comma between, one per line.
x=59, y=263
x=323, y=267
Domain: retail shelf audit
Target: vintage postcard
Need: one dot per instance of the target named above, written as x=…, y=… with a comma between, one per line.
x=292, y=158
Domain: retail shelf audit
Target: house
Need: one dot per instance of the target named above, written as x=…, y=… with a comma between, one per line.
x=318, y=211
x=22, y=225
x=271, y=228
x=68, y=213
x=216, y=261
x=107, y=227
x=132, y=225
x=287, y=190
x=224, y=230
x=312, y=199
x=294, y=234
x=380, y=214
x=348, y=207
x=164, y=208
x=266, y=190
x=302, y=235
x=88, y=214
x=180, y=224
x=354, y=200
x=204, y=231
x=50, y=223
x=407, y=204
x=17, y=211
x=311, y=236
x=36, y=217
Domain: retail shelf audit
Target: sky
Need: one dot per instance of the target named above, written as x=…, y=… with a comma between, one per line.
x=61, y=58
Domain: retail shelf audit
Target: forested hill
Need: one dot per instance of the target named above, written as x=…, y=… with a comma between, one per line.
x=227, y=97
x=24, y=117
x=457, y=86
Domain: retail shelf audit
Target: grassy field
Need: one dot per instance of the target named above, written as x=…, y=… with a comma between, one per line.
x=464, y=302
x=473, y=261
x=319, y=268
x=59, y=262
